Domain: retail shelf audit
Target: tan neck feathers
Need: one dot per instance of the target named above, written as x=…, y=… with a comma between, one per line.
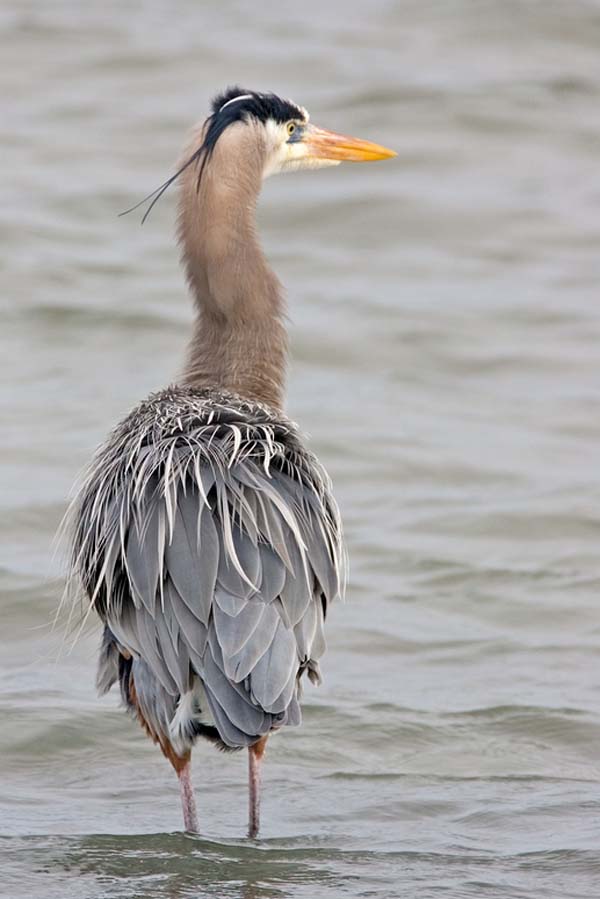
x=239, y=341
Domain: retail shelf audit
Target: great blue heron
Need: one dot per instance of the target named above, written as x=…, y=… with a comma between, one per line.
x=205, y=534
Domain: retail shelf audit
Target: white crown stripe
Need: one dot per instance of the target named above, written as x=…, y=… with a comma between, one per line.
x=235, y=99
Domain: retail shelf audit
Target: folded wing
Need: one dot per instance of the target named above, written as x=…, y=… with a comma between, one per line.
x=226, y=574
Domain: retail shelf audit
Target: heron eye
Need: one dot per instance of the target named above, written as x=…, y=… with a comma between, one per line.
x=291, y=127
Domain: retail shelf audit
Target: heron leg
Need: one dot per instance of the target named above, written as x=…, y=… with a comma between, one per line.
x=188, y=800
x=255, y=756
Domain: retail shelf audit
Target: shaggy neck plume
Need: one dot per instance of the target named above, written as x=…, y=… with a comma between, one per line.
x=239, y=341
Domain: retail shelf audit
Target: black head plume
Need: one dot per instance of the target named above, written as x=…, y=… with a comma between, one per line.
x=233, y=105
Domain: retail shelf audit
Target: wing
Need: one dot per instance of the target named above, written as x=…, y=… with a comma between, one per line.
x=223, y=571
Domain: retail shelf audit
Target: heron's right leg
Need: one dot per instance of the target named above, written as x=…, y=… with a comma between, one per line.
x=255, y=756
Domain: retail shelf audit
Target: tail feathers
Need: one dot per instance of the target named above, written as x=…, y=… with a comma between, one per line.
x=197, y=713
x=192, y=719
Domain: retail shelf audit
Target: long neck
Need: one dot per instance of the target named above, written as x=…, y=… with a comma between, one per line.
x=239, y=342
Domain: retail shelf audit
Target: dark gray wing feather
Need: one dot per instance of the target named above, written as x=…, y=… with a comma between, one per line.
x=275, y=669
x=190, y=625
x=192, y=554
x=259, y=637
x=143, y=560
x=235, y=630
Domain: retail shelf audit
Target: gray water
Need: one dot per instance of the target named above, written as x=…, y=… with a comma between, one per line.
x=445, y=326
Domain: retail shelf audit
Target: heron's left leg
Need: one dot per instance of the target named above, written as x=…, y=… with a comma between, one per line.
x=188, y=800
x=255, y=756
x=181, y=763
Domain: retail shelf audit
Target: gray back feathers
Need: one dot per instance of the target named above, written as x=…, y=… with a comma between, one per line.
x=206, y=537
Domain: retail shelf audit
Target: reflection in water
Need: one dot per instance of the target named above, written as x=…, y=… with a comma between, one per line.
x=172, y=866
x=177, y=866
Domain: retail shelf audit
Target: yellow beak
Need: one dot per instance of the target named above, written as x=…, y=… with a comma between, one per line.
x=322, y=144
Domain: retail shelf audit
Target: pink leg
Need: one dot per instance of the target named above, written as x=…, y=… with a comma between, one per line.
x=188, y=801
x=255, y=755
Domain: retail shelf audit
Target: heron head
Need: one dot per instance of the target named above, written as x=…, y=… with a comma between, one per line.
x=287, y=138
x=273, y=131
